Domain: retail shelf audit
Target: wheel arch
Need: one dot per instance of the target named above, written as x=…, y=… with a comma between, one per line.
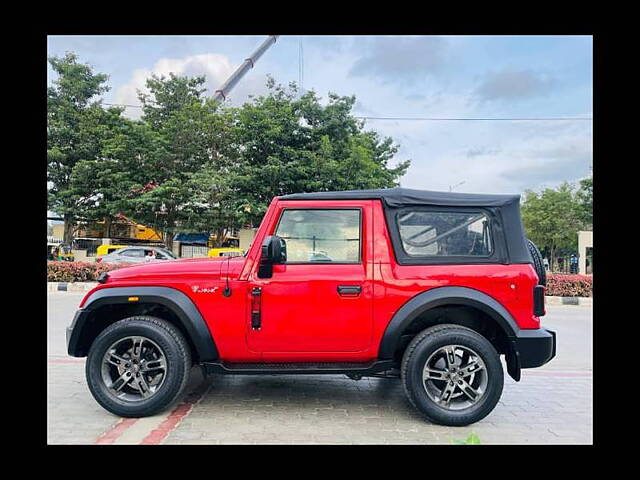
x=460, y=305
x=108, y=305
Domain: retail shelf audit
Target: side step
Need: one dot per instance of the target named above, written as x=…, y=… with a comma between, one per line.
x=313, y=368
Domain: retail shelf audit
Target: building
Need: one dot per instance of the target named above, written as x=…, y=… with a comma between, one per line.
x=585, y=252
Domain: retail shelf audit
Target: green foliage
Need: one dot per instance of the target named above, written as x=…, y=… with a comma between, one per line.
x=552, y=219
x=77, y=125
x=472, y=439
x=293, y=144
x=181, y=133
x=217, y=206
x=169, y=96
x=584, y=196
x=193, y=165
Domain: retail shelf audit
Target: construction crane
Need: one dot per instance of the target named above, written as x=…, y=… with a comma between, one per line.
x=223, y=91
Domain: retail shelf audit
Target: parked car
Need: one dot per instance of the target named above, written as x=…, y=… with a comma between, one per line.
x=428, y=287
x=137, y=255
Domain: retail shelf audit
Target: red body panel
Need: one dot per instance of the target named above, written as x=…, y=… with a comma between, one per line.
x=303, y=316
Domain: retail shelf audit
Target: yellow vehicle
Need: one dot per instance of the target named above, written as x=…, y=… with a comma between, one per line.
x=107, y=249
x=225, y=252
x=143, y=232
x=138, y=230
x=60, y=252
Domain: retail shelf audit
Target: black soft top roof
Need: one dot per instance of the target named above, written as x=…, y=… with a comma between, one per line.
x=397, y=197
x=515, y=249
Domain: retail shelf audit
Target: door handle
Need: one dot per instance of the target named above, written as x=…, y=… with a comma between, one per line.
x=349, y=289
x=256, y=307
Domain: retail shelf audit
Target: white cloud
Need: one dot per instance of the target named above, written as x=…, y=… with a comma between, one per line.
x=215, y=67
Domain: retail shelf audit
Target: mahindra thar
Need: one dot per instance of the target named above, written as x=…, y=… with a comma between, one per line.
x=430, y=287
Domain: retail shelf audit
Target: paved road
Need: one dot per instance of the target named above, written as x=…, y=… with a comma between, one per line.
x=550, y=405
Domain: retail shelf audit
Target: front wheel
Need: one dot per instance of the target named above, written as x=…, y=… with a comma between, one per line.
x=138, y=366
x=452, y=375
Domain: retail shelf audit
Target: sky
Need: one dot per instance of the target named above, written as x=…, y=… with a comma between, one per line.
x=401, y=76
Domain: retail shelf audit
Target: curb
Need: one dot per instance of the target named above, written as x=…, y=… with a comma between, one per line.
x=581, y=301
x=70, y=286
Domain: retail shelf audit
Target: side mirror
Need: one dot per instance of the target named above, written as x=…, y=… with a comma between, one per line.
x=274, y=250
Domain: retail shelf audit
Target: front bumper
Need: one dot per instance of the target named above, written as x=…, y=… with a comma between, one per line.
x=535, y=347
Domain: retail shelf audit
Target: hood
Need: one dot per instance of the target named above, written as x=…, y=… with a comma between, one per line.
x=187, y=267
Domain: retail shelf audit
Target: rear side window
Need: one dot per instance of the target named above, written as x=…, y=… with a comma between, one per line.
x=321, y=236
x=445, y=233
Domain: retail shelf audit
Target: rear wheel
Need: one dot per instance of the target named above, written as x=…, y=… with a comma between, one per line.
x=452, y=375
x=138, y=366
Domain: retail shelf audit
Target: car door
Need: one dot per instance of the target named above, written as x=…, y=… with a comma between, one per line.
x=320, y=300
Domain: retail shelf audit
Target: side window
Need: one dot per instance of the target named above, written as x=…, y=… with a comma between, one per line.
x=444, y=234
x=321, y=236
x=132, y=253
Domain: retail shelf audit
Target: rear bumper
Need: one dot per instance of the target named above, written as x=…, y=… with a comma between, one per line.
x=535, y=347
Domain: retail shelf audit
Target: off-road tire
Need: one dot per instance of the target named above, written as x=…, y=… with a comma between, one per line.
x=538, y=264
x=413, y=362
x=178, y=360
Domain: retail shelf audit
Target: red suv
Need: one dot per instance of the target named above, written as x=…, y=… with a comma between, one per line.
x=430, y=287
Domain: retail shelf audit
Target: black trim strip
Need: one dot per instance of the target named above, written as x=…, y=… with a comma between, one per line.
x=299, y=368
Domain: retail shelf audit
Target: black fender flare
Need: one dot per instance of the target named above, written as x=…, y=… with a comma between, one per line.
x=180, y=304
x=440, y=296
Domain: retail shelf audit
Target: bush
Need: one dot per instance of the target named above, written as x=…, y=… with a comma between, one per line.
x=569, y=285
x=77, y=271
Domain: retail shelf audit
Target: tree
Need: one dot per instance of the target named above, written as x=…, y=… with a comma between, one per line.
x=216, y=207
x=75, y=129
x=191, y=164
x=551, y=219
x=126, y=165
x=192, y=134
x=584, y=197
x=292, y=144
